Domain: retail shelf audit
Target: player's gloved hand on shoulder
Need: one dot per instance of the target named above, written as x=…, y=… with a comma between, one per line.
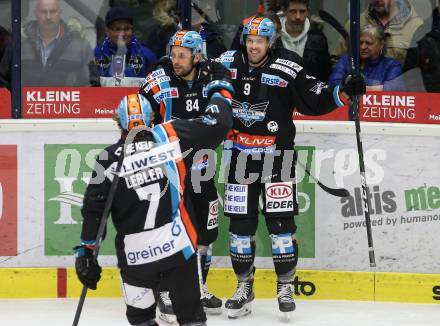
x=219, y=88
x=86, y=266
x=354, y=84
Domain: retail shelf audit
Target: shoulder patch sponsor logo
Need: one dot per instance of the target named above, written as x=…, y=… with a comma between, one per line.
x=248, y=113
x=273, y=80
x=283, y=69
x=172, y=92
x=317, y=89
x=290, y=64
x=151, y=83
x=155, y=74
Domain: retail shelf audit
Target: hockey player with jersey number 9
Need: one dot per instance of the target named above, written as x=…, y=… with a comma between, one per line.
x=156, y=236
x=269, y=83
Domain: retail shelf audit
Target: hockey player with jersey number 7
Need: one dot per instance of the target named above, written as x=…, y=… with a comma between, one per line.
x=269, y=82
x=156, y=237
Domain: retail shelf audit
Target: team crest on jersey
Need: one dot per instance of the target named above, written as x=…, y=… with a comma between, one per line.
x=248, y=113
x=172, y=92
x=273, y=80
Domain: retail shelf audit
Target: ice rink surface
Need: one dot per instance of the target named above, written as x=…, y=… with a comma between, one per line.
x=111, y=312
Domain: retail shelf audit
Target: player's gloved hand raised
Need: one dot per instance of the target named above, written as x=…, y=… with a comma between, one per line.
x=354, y=84
x=86, y=266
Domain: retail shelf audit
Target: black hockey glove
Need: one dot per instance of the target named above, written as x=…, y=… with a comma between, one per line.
x=87, y=267
x=220, y=80
x=354, y=84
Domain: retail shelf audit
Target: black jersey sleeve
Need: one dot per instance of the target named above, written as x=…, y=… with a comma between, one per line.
x=313, y=97
x=207, y=131
x=97, y=191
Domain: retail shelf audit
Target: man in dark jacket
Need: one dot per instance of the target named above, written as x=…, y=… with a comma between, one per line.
x=303, y=36
x=121, y=59
x=50, y=54
x=424, y=55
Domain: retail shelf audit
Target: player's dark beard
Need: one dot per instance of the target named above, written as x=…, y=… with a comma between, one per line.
x=186, y=73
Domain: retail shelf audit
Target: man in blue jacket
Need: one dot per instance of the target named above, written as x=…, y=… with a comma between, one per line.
x=121, y=58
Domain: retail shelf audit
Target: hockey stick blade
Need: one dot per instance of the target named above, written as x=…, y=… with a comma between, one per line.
x=329, y=19
x=337, y=192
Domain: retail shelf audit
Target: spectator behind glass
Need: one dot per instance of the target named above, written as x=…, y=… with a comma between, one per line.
x=51, y=55
x=399, y=21
x=202, y=24
x=4, y=40
x=166, y=24
x=121, y=59
x=380, y=72
x=305, y=37
x=424, y=59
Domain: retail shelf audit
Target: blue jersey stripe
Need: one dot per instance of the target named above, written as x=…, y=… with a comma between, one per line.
x=161, y=137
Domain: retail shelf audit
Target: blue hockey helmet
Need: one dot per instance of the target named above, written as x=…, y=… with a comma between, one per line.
x=186, y=39
x=259, y=26
x=134, y=110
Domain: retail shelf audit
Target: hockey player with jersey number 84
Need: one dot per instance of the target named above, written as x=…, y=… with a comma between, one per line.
x=156, y=236
x=269, y=83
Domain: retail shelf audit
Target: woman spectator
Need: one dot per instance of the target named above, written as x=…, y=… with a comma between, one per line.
x=381, y=73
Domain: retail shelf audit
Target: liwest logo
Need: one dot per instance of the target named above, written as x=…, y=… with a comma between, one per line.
x=68, y=170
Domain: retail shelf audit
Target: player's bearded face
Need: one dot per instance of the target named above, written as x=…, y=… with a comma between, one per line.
x=183, y=61
x=257, y=48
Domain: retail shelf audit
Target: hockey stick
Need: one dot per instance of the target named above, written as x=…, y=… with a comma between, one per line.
x=102, y=224
x=354, y=19
x=338, y=192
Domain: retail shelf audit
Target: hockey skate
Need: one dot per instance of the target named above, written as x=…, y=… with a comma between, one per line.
x=240, y=303
x=165, y=307
x=286, y=304
x=211, y=304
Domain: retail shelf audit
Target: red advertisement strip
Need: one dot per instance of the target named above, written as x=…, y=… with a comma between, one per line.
x=72, y=102
x=5, y=103
x=8, y=200
x=101, y=102
x=61, y=282
x=395, y=107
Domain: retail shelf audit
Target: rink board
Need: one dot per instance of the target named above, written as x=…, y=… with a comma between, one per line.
x=309, y=285
x=46, y=223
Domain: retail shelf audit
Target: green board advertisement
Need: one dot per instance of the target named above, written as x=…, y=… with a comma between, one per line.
x=68, y=170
